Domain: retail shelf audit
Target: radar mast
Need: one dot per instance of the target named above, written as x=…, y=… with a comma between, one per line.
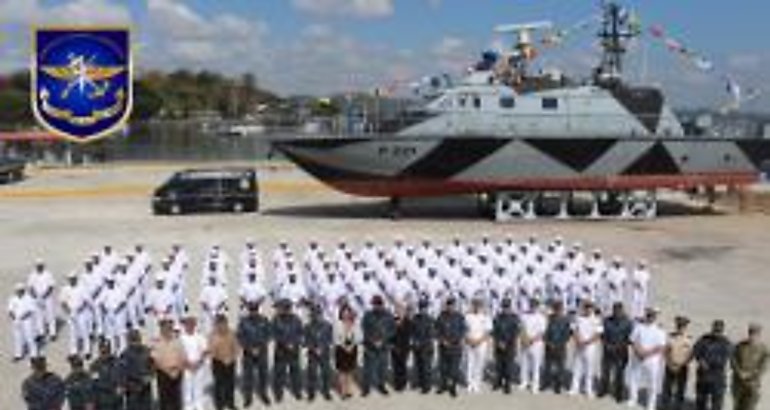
x=617, y=30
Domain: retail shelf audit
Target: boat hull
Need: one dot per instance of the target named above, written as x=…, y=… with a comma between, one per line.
x=421, y=166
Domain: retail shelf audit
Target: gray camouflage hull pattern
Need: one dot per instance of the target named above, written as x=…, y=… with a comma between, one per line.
x=397, y=166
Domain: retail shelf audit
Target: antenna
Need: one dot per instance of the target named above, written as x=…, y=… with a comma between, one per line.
x=615, y=33
x=523, y=31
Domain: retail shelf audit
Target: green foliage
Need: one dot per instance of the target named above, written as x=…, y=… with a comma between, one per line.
x=325, y=108
x=16, y=110
x=156, y=94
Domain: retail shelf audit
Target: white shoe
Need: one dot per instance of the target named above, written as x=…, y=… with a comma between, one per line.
x=630, y=403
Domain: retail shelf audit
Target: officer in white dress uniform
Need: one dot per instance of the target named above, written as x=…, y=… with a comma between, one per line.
x=639, y=283
x=41, y=287
x=587, y=331
x=648, y=348
x=213, y=301
x=533, y=324
x=160, y=305
x=93, y=284
x=113, y=306
x=72, y=298
x=196, y=351
x=615, y=285
x=22, y=310
x=251, y=291
x=479, y=329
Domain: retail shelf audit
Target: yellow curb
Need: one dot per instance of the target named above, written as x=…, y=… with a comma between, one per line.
x=146, y=190
x=154, y=167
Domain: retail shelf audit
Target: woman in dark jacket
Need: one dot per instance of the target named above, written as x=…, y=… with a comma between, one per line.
x=347, y=337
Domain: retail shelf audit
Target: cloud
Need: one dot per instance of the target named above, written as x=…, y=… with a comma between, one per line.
x=181, y=37
x=75, y=12
x=322, y=60
x=354, y=8
x=452, y=53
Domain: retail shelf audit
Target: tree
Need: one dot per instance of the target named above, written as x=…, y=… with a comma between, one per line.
x=147, y=102
x=16, y=110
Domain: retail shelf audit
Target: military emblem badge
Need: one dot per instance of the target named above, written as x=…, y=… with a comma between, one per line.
x=81, y=81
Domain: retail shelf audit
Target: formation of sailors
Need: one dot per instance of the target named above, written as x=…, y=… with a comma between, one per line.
x=533, y=309
x=111, y=294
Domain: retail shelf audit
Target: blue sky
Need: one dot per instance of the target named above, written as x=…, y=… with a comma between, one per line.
x=323, y=46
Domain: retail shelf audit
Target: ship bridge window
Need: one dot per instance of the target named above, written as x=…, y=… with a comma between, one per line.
x=550, y=103
x=477, y=102
x=507, y=102
x=462, y=101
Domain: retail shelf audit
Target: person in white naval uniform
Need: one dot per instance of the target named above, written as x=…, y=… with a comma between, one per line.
x=214, y=269
x=292, y=289
x=586, y=334
x=131, y=281
x=180, y=260
x=434, y=290
x=72, y=298
x=159, y=305
x=113, y=306
x=615, y=285
x=108, y=259
x=93, y=284
x=248, y=254
x=196, y=351
x=648, y=348
x=172, y=274
x=477, y=336
x=533, y=324
x=213, y=301
x=500, y=287
x=531, y=287
x=561, y=285
x=588, y=285
x=251, y=291
x=639, y=283
x=332, y=291
x=22, y=309
x=469, y=286
x=41, y=287
x=365, y=291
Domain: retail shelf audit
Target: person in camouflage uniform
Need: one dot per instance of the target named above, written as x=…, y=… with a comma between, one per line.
x=749, y=363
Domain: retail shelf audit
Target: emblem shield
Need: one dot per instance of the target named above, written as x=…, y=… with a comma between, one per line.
x=82, y=81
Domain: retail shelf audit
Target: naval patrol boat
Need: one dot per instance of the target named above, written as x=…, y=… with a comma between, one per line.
x=520, y=139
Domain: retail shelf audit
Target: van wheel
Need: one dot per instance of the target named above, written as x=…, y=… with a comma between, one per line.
x=238, y=207
x=175, y=209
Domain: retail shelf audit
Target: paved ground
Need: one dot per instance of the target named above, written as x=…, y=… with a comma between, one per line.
x=705, y=266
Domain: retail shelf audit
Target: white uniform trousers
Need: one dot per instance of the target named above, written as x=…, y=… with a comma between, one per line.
x=79, y=333
x=645, y=374
x=193, y=388
x=584, y=369
x=531, y=364
x=46, y=316
x=116, y=330
x=24, y=333
x=476, y=362
x=638, y=303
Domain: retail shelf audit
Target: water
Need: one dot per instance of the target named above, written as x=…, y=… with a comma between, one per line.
x=177, y=141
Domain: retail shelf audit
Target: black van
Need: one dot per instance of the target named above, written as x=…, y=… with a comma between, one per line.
x=208, y=190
